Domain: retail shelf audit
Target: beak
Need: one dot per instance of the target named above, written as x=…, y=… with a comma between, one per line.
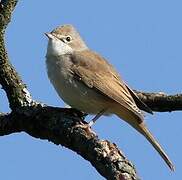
x=49, y=35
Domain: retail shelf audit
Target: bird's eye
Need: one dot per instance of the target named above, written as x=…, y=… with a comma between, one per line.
x=68, y=38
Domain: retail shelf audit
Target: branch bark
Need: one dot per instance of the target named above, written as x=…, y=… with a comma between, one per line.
x=62, y=126
x=161, y=102
x=65, y=126
x=16, y=91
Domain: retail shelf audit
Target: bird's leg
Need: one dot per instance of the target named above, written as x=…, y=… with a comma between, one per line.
x=97, y=116
x=87, y=127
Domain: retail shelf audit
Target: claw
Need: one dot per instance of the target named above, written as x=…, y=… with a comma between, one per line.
x=86, y=127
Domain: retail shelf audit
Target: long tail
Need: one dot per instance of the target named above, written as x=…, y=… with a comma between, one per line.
x=136, y=122
x=143, y=130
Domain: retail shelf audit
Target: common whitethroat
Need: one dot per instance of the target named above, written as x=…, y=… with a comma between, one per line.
x=87, y=82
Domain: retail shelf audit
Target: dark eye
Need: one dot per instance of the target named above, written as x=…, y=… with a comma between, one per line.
x=68, y=38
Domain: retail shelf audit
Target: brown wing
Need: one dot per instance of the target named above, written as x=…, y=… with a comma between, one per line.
x=138, y=102
x=95, y=70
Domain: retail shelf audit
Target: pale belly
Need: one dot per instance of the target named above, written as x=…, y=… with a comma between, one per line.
x=77, y=94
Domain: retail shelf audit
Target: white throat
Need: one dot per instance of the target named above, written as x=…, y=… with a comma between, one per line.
x=56, y=48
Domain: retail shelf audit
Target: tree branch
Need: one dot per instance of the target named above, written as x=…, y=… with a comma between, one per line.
x=61, y=126
x=16, y=91
x=161, y=102
x=64, y=126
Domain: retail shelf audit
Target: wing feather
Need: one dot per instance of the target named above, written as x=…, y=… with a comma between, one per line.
x=102, y=76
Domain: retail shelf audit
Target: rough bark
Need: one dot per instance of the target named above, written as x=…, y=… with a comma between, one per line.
x=161, y=102
x=65, y=126
x=12, y=84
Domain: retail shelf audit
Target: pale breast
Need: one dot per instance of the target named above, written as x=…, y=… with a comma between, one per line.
x=73, y=92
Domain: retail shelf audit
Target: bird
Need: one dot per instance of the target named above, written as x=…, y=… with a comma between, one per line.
x=87, y=82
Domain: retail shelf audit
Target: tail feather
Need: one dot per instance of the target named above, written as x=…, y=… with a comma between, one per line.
x=143, y=130
x=137, y=122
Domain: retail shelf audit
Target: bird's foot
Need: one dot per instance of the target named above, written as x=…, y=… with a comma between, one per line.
x=86, y=127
